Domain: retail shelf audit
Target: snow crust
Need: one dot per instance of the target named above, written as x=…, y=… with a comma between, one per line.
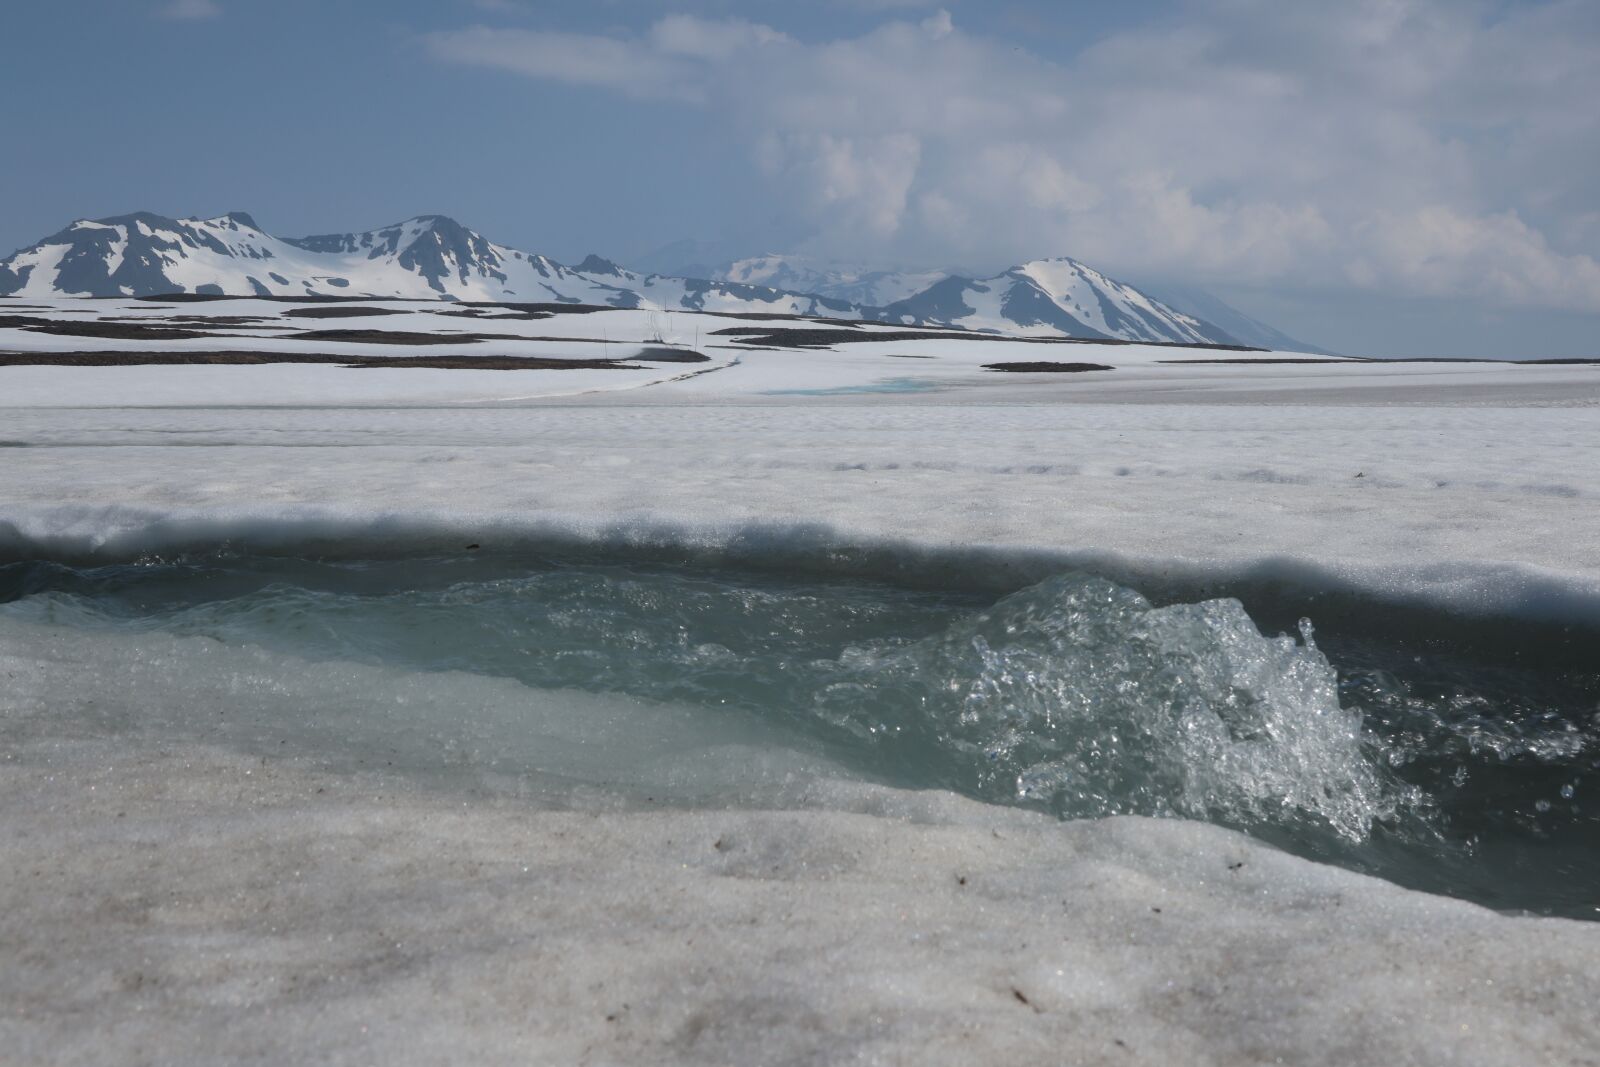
x=172, y=878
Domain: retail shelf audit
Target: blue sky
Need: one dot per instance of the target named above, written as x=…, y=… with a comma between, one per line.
x=1393, y=177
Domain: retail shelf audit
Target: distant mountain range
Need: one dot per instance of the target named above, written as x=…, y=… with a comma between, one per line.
x=428, y=257
x=1056, y=291
x=434, y=257
x=854, y=285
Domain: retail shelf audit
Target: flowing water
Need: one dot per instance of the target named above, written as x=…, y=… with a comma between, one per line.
x=1440, y=767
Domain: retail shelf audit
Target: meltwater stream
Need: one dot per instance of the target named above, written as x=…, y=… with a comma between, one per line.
x=1433, y=768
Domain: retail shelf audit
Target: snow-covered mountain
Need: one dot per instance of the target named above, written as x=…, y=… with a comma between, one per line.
x=428, y=257
x=854, y=285
x=434, y=257
x=1050, y=297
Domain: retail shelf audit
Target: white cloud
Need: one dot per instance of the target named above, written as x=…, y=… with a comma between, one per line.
x=710, y=39
x=859, y=184
x=190, y=9
x=1498, y=258
x=630, y=67
x=1438, y=147
x=939, y=24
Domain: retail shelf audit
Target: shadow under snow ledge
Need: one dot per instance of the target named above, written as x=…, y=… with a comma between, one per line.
x=1273, y=584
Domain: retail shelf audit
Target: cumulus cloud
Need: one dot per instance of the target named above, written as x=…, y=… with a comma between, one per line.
x=1437, y=147
x=859, y=184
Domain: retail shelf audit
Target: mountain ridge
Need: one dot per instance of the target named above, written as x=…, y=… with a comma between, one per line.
x=435, y=257
x=886, y=287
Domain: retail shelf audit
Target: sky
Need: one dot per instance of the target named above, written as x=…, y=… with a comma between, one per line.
x=1380, y=177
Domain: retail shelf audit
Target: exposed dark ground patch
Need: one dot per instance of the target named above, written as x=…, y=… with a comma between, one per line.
x=252, y=359
x=1309, y=359
x=542, y=309
x=663, y=354
x=213, y=320
x=1569, y=362
x=402, y=337
x=338, y=311
x=206, y=322
x=29, y=322
x=115, y=331
x=1365, y=360
x=144, y=359
x=802, y=337
x=492, y=314
x=1045, y=367
x=491, y=363
x=308, y=298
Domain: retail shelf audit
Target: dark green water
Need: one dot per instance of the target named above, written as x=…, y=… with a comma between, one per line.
x=1435, y=764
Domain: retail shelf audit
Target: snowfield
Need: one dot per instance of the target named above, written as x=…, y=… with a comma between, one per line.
x=1462, y=483
x=163, y=891
x=295, y=915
